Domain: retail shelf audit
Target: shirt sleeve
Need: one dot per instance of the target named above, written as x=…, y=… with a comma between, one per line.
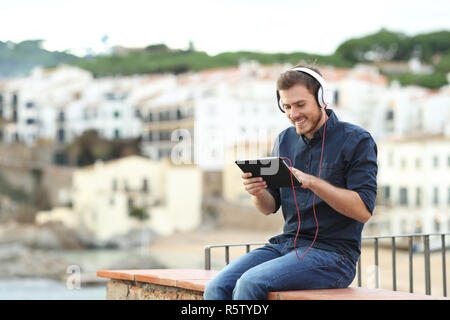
x=362, y=171
x=275, y=192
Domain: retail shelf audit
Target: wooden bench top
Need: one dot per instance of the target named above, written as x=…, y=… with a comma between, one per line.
x=196, y=279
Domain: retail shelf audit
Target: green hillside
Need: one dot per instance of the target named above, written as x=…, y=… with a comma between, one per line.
x=18, y=59
x=431, y=48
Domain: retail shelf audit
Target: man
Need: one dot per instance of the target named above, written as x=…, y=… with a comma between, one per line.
x=321, y=250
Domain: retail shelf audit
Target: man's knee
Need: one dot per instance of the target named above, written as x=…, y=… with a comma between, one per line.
x=250, y=286
x=216, y=289
x=211, y=290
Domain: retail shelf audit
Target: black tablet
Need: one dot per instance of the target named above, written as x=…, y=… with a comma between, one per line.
x=273, y=170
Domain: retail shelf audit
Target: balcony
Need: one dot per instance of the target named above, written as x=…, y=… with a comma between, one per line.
x=415, y=263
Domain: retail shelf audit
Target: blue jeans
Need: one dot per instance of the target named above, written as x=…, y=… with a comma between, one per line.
x=275, y=267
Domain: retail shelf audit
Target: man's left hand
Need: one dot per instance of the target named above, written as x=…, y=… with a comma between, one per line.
x=305, y=179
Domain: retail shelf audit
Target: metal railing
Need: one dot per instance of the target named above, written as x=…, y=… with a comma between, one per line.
x=413, y=243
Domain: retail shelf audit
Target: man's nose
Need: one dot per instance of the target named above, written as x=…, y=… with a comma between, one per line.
x=294, y=113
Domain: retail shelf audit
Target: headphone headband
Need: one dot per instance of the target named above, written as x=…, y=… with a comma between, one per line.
x=313, y=74
x=324, y=96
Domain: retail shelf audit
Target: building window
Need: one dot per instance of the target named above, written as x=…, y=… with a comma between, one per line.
x=31, y=121
x=403, y=196
x=114, y=185
x=435, y=196
x=137, y=113
x=387, y=193
x=164, y=136
x=145, y=187
x=60, y=135
x=437, y=224
x=61, y=116
x=130, y=203
x=29, y=104
x=390, y=115
x=116, y=133
x=435, y=161
x=336, y=97
x=116, y=114
x=418, y=196
x=15, y=100
x=164, y=115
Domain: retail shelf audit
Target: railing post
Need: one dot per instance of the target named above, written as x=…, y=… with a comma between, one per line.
x=426, y=252
x=377, y=278
x=394, y=266
x=444, y=272
x=410, y=254
x=359, y=272
x=207, y=258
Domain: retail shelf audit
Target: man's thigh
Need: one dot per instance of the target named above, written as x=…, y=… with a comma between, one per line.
x=318, y=269
x=232, y=272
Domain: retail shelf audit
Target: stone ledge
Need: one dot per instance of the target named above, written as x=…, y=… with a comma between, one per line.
x=189, y=284
x=134, y=290
x=193, y=279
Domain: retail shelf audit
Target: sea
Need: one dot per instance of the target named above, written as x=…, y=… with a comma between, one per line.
x=88, y=262
x=48, y=289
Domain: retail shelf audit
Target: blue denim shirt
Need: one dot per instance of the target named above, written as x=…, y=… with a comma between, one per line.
x=350, y=162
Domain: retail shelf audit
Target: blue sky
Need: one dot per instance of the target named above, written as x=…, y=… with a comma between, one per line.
x=316, y=26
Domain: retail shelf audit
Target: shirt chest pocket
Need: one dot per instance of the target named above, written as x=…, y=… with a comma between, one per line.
x=334, y=174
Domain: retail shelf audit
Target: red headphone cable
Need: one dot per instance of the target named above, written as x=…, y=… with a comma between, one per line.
x=314, y=199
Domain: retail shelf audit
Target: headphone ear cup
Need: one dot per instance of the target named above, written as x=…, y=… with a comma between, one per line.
x=327, y=97
x=279, y=103
x=320, y=98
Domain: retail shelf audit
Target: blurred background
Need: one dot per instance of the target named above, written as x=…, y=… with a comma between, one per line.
x=120, y=123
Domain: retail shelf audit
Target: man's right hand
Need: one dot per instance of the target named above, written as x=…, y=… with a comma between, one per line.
x=254, y=186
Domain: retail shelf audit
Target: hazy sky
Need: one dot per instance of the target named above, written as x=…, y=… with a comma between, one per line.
x=315, y=26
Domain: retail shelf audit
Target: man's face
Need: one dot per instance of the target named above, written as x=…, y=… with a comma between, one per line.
x=302, y=110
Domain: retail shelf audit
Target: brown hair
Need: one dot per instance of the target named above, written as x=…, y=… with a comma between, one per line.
x=290, y=78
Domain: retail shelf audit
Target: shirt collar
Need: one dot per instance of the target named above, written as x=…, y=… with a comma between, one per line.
x=331, y=123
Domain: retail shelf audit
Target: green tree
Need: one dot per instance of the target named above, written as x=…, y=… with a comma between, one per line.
x=382, y=45
x=139, y=213
x=89, y=147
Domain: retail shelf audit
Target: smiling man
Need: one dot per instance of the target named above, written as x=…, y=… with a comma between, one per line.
x=321, y=241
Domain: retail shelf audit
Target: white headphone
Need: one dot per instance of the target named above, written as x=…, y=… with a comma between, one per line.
x=324, y=94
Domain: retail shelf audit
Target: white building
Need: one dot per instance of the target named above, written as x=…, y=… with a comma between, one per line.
x=414, y=185
x=60, y=104
x=215, y=109
x=107, y=195
x=103, y=107
x=30, y=104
